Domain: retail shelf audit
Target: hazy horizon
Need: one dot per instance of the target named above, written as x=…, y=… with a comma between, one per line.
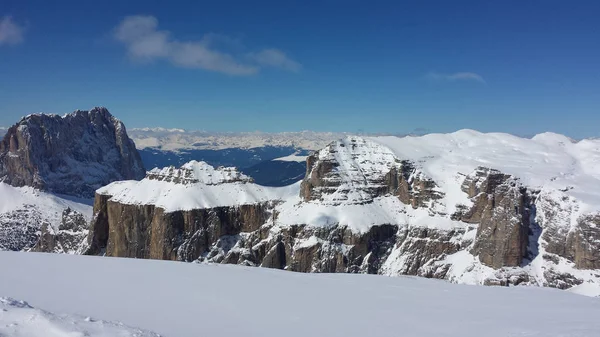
x=514, y=67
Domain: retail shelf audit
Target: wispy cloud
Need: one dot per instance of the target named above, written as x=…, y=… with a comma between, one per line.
x=460, y=76
x=275, y=58
x=10, y=32
x=145, y=42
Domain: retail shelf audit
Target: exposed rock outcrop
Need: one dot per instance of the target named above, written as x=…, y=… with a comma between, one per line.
x=68, y=239
x=355, y=170
x=74, y=154
x=567, y=234
x=502, y=209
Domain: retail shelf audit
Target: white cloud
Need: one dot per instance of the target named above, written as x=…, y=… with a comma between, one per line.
x=460, y=76
x=277, y=59
x=10, y=32
x=145, y=42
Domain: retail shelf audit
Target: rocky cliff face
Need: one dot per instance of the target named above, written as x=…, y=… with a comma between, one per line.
x=45, y=157
x=502, y=208
x=73, y=154
x=355, y=170
x=360, y=209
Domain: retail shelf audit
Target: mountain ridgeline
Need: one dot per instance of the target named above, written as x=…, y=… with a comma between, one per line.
x=467, y=207
x=361, y=208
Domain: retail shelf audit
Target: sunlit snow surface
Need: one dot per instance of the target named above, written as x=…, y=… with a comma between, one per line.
x=50, y=205
x=547, y=161
x=19, y=319
x=181, y=299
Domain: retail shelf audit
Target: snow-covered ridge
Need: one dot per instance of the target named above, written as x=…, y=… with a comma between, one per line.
x=546, y=161
x=198, y=172
x=196, y=185
x=18, y=318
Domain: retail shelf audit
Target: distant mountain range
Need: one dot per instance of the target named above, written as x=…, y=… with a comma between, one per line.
x=255, y=153
x=178, y=139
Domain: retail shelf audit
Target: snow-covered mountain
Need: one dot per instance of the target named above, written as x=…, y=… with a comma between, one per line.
x=185, y=300
x=466, y=207
x=179, y=139
x=50, y=167
x=3, y=131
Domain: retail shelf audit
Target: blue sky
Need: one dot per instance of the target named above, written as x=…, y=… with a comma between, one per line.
x=513, y=66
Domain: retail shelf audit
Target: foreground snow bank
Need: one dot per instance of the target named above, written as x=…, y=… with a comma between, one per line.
x=183, y=299
x=18, y=318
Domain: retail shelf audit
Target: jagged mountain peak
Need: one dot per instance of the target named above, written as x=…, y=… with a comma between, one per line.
x=72, y=154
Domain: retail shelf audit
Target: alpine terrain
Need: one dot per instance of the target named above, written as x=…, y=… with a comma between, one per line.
x=271, y=159
x=50, y=167
x=467, y=207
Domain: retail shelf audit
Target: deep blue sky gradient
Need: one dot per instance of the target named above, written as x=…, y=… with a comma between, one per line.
x=366, y=65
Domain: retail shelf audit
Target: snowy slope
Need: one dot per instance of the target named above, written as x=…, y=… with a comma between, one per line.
x=23, y=211
x=14, y=198
x=219, y=300
x=19, y=319
x=547, y=161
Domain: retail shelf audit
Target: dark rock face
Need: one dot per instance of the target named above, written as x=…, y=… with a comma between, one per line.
x=501, y=207
x=578, y=242
x=69, y=238
x=584, y=243
x=421, y=249
x=145, y=231
x=73, y=155
x=411, y=187
x=247, y=235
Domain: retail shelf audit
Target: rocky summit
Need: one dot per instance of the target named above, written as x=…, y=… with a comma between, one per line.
x=467, y=207
x=50, y=167
x=74, y=154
